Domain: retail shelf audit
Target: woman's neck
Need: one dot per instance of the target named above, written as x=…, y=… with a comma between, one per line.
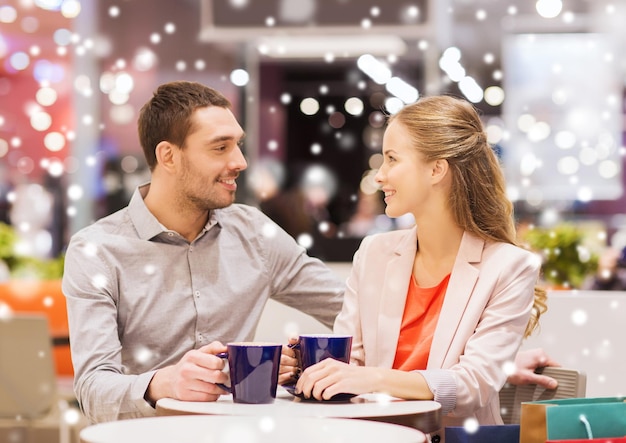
x=438, y=243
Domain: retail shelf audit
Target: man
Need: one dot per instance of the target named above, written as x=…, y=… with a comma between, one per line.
x=156, y=289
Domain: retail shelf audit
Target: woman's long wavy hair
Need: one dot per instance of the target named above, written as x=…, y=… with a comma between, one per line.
x=445, y=127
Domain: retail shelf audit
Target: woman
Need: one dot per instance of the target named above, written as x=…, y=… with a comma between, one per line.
x=439, y=310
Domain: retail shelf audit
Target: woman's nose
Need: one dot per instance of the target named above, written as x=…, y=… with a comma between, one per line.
x=378, y=177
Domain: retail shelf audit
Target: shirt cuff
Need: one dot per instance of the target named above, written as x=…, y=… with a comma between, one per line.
x=138, y=392
x=443, y=386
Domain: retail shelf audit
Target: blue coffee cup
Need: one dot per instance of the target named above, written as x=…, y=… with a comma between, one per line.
x=253, y=369
x=316, y=347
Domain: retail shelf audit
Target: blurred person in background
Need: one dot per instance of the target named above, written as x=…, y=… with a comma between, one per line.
x=611, y=272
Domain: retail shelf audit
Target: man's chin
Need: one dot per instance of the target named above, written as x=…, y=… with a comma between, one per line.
x=223, y=204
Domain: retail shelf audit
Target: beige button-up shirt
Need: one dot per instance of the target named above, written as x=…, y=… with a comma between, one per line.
x=140, y=296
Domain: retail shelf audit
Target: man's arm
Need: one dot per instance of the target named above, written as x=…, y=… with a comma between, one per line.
x=300, y=281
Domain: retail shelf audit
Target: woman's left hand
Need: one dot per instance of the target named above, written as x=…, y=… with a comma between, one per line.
x=330, y=377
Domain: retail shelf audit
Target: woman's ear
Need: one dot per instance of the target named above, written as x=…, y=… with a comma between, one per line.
x=165, y=155
x=440, y=169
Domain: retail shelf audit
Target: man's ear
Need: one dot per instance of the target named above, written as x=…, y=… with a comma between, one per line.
x=165, y=155
x=440, y=169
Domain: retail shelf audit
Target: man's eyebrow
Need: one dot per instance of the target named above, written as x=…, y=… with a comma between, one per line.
x=224, y=138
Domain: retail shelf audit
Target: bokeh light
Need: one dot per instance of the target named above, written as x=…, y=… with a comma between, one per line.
x=145, y=59
x=46, y=96
x=19, y=60
x=354, y=106
x=54, y=141
x=549, y=8
x=494, y=95
x=8, y=14
x=309, y=106
x=30, y=24
x=337, y=120
x=70, y=8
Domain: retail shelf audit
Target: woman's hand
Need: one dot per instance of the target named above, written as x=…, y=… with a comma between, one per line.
x=525, y=364
x=330, y=377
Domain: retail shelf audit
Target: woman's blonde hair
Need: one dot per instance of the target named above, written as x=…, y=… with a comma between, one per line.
x=445, y=127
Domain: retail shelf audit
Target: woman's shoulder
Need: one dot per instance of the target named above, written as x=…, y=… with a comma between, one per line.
x=390, y=240
x=507, y=253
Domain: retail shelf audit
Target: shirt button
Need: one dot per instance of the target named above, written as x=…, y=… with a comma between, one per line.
x=191, y=248
x=197, y=293
x=171, y=234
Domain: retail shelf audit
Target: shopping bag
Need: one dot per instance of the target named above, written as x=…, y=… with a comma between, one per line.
x=561, y=419
x=592, y=440
x=484, y=434
x=582, y=418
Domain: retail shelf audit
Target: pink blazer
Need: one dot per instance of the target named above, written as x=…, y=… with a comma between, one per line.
x=484, y=314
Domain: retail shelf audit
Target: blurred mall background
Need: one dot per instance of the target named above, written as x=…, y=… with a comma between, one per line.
x=311, y=82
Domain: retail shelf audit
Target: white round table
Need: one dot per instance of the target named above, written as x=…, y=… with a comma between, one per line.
x=422, y=415
x=250, y=429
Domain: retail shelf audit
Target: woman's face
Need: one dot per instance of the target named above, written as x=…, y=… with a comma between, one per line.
x=404, y=176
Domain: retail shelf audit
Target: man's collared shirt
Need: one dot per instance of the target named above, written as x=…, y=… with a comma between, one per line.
x=140, y=296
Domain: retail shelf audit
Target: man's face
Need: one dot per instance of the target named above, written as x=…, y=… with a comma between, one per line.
x=211, y=159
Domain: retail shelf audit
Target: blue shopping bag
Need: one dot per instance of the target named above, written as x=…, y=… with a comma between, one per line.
x=484, y=434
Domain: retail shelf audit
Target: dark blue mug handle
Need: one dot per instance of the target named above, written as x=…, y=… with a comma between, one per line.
x=221, y=385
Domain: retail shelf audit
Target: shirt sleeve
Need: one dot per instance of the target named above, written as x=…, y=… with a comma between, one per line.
x=102, y=389
x=349, y=321
x=299, y=280
x=496, y=338
x=443, y=386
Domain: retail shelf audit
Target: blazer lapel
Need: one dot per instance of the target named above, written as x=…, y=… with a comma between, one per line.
x=396, y=285
x=461, y=285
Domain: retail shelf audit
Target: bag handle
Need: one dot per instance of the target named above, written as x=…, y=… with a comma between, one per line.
x=585, y=422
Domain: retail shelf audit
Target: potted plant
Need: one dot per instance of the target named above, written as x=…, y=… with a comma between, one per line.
x=23, y=267
x=566, y=260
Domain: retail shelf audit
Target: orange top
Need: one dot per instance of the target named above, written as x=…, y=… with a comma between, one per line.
x=421, y=313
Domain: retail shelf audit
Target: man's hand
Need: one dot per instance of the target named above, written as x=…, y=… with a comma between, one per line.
x=193, y=378
x=289, y=364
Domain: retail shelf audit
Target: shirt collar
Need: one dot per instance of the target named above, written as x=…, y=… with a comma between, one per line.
x=146, y=224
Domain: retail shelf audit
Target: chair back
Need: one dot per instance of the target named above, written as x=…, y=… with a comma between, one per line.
x=27, y=377
x=572, y=384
